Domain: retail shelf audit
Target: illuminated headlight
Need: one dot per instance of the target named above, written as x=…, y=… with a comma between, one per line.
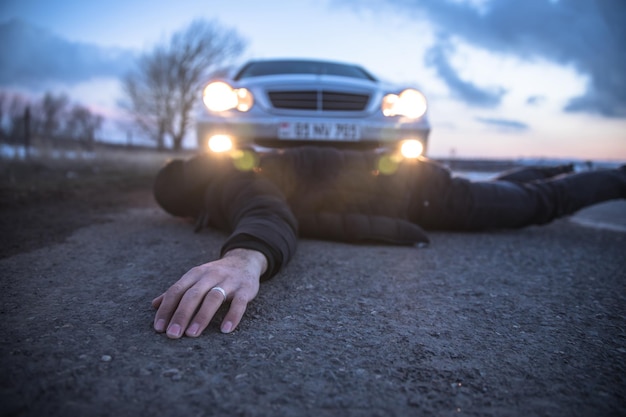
x=409, y=103
x=220, y=143
x=219, y=96
x=411, y=148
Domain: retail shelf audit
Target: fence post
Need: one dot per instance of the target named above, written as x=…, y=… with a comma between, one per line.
x=27, y=130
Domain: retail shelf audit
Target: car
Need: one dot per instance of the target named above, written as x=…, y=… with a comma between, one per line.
x=287, y=102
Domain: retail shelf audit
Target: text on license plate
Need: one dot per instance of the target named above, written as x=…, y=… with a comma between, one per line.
x=319, y=130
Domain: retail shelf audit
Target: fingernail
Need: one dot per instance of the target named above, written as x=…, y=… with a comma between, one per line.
x=193, y=329
x=174, y=330
x=160, y=325
x=227, y=327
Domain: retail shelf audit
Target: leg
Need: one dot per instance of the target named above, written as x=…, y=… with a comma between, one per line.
x=503, y=204
x=528, y=174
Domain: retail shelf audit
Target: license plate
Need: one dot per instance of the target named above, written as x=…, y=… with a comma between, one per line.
x=319, y=130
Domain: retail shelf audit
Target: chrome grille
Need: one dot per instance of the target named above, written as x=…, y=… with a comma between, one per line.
x=318, y=100
x=298, y=100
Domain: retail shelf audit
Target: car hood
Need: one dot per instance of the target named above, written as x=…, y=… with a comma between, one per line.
x=286, y=81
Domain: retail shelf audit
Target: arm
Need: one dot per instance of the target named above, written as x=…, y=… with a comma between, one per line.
x=263, y=239
x=259, y=217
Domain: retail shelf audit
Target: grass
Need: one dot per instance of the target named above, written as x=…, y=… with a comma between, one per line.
x=60, y=175
x=45, y=197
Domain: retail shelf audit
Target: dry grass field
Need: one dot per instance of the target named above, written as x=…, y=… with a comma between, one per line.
x=44, y=197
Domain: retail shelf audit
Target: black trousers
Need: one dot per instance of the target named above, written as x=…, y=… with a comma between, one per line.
x=529, y=196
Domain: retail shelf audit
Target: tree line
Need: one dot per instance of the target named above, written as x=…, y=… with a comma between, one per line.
x=52, y=117
x=161, y=92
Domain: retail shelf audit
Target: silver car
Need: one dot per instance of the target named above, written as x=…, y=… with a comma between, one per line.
x=278, y=103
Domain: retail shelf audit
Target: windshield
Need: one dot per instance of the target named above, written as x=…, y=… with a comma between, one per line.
x=261, y=68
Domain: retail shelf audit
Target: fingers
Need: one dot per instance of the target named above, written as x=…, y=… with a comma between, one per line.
x=212, y=302
x=189, y=305
x=184, y=321
x=195, y=296
x=157, y=301
x=169, y=302
x=234, y=315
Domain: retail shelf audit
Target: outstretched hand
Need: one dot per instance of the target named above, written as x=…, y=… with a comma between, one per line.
x=188, y=306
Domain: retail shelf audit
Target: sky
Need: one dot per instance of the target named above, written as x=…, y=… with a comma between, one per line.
x=504, y=78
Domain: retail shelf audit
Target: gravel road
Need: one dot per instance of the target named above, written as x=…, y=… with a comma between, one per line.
x=515, y=323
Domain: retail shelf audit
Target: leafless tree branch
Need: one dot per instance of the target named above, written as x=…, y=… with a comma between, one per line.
x=163, y=89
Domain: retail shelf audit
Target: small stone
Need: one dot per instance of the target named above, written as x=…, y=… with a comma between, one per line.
x=106, y=358
x=172, y=373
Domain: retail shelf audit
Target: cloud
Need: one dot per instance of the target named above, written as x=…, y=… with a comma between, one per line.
x=437, y=57
x=503, y=124
x=535, y=100
x=587, y=35
x=32, y=56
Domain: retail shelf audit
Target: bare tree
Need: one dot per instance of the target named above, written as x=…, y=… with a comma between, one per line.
x=51, y=115
x=148, y=89
x=82, y=125
x=162, y=90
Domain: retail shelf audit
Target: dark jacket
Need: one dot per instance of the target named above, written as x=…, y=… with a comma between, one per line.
x=350, y=196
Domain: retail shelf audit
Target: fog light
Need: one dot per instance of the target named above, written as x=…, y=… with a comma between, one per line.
x=220, y=143
x=411, y=148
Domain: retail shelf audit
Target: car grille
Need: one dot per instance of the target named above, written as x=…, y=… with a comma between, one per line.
x=318, y=100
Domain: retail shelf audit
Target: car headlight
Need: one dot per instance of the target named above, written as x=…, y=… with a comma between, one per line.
x=409, y=103
x=411, y=148
x=219, y=96
x=220, y=143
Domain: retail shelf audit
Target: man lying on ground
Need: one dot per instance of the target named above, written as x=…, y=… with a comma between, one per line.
x=265, y=201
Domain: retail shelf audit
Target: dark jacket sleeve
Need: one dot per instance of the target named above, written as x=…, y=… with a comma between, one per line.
x=256, y=214
x=361, y=228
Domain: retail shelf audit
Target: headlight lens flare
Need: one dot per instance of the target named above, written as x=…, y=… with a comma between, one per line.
x=219, y=96
x=220, y=143
x=411, y=148
x=409, y=103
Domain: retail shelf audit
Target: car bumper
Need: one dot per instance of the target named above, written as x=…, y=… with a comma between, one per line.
x=266, y=130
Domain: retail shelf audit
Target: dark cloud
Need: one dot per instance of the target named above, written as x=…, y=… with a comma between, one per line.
x=437, y=57
x=587, y=34
x=32, y=56
x=503, y=124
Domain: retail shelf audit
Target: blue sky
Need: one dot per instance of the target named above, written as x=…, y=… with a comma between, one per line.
x=504, y=78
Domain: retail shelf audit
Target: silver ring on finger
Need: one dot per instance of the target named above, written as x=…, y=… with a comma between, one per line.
x=221, y=291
